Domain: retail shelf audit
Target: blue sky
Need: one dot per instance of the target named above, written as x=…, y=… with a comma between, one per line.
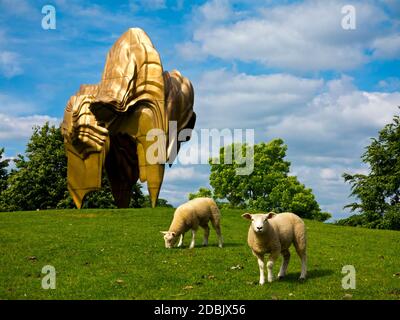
x=284, y=68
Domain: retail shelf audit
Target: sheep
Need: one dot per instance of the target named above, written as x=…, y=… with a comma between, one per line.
x=191, y=215
x=274, y=233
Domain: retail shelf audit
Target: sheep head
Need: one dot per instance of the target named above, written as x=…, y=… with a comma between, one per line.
x=170, y=238
x=259, y=221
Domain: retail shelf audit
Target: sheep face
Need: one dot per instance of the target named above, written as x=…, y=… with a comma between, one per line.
x=169, y=238
x=259, y=221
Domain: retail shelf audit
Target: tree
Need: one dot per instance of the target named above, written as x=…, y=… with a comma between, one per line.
x=40, y=178
x=378, y=192
x=3, y=171
x=3, y=177
x=202, y=192
x=146, y=203
x=269, y=187
x=103, y=198
x=269, y=166
x=38, y=182
x=290, y=195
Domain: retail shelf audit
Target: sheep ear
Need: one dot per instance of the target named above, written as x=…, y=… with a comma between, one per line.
x=164, y=232
x=270, y=215
x=246, y=216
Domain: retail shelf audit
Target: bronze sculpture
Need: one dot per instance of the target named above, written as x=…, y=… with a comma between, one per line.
x=107, y=125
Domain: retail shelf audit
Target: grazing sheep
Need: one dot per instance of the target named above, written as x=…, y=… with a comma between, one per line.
x=191, y=215
x=274, y=233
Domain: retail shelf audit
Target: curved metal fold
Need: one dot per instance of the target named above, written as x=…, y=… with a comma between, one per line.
x=106, y=126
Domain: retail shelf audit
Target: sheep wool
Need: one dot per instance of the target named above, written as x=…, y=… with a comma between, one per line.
x=190, y=216
x=274, y=234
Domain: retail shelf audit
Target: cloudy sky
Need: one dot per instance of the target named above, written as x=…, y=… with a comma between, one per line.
x=286, y=69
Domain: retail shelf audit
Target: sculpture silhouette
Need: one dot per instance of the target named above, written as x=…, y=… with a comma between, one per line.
x=106, y=126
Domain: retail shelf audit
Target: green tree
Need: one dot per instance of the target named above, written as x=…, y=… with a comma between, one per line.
x=146, y=203
x=3, y=171
x=103, y=198
x=38, y=182
x=3, y=178
x=40, y=178
x=202, y=192
x=378, y=192
x=269, y=187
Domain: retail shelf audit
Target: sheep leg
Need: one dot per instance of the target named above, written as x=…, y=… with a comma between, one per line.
x=300, y=244
x=260, y=260
x=303, y=266
x=217, y=227
x=270, y=264
x=181, y=240
x=193, y=239
x=302, y=252
x=285, y=263
x=206, y=235
x=218, y=231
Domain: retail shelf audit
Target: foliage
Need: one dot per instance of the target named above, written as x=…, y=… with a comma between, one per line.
x=3, y=171
x=146, y=203
x=3, y=177
x=237, y=189
x=202, y=192
x=378, y=191
x=268, y=187
x=103, y=198
x=38, y=182
x=40, y=179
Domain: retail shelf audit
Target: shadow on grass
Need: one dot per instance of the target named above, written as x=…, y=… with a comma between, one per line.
x=227, y=245
x=212, y=245
x=311, y=274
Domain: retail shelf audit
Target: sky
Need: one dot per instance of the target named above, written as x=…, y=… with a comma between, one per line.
x=287, y=69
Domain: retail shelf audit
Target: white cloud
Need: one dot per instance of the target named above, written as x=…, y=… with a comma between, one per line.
x=346, y=118
x=302, y=36
x=15, y=128
x=191, y=51
x=22, y=8
x=389, y=84
x=10, y=64
x=230, y=100
x=215, y=10
x=136, y=5
x=387, y=47
x=183, y=173
x=16, y=106
x=328, y=174
x=181, y=180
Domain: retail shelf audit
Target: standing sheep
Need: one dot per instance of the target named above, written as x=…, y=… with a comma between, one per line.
x=191, y=215
x=274, y=233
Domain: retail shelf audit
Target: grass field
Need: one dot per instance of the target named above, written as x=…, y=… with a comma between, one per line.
x=120, y=254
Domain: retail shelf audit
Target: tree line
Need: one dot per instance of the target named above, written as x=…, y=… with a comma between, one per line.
x=38, y=181
x=271, y=188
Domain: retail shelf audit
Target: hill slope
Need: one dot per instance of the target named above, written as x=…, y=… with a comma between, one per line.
x=120, y=254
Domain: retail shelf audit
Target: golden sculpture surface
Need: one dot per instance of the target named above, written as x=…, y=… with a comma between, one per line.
x=106, y=125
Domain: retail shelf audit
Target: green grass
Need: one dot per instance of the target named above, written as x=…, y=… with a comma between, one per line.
x=120, y=254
